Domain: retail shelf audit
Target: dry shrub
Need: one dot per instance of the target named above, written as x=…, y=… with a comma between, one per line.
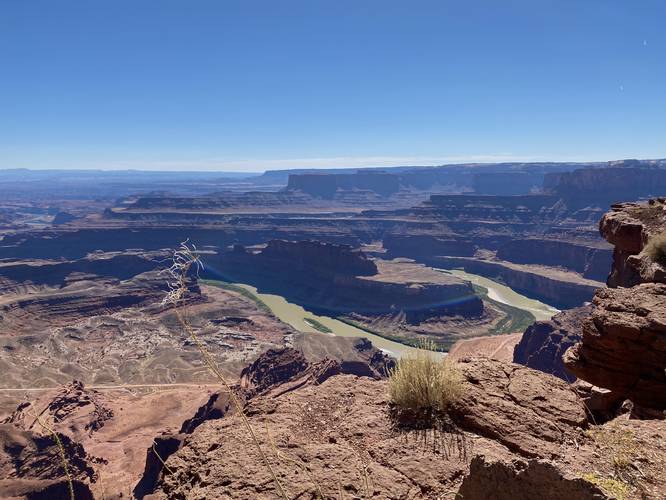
x=619, y=445
x=622, y=449
x=613, y=487
x=656, y=248
x=425, y=382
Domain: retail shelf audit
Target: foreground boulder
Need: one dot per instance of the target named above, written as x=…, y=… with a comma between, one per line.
x=524, y=480
x=527, y=411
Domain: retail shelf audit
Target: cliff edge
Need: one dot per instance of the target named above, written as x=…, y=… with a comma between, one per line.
x=623, y=343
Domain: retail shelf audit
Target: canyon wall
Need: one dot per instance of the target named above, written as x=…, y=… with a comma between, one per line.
x=334, y=279
x=507, y=183
x=590, y=261
x=326, y=186
x=623, y=343
x=560, y=292
x=490, y=179
x=426, y=245
x=627, y=180
x=340, y=260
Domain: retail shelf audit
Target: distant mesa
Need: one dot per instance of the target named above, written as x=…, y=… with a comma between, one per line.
x=63, y=218
x=326, y=186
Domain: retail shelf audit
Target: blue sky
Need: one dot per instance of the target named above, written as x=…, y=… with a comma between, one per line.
x=251, y=85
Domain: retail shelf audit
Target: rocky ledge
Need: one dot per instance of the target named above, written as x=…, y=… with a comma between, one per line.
x=517, y=433
x=327, y=428
x=623, y=343
x=105, y=433
x=629, y=226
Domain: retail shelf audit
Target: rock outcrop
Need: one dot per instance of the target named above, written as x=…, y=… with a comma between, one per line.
x=357, y=356
x=529, y=412
x=544, y=342
x=516, y=433
x=623, y=344
x=63, y=218
x=275, y=373
x=629, y=226
x=31, y=465
x=81, y=411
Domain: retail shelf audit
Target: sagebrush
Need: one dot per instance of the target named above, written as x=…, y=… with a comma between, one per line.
x=424, y=381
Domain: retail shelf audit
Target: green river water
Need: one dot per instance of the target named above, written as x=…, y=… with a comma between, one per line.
x=298, y=317
x=506, y=295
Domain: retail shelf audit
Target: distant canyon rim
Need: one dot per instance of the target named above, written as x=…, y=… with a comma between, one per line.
x=534, y=276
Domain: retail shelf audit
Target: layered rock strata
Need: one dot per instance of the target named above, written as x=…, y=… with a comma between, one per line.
x=623, y=344
x=629, y=227
x=334, y=279
x=544, y=343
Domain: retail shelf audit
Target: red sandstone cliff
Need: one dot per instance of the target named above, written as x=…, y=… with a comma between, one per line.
x=623, y=344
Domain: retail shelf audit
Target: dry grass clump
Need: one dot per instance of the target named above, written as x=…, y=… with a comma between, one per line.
x=622, y=449
x=425, y=382
x=620, y=445
x=656, y=248
x=612, y=487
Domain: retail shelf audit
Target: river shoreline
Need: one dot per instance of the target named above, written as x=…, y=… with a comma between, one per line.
x=307, y=322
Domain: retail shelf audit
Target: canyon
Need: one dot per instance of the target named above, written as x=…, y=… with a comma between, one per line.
x=88, y=345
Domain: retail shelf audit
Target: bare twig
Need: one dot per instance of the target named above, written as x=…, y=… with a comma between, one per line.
x=61, y=451
x=161, y=459
x=184, y=259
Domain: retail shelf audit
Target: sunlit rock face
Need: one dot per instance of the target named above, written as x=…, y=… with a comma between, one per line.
x=623, y=342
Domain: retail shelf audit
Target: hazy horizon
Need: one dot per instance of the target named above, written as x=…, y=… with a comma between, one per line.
x=305, y=167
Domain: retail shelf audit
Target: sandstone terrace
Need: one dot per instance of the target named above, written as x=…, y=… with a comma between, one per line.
x=551, y=446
